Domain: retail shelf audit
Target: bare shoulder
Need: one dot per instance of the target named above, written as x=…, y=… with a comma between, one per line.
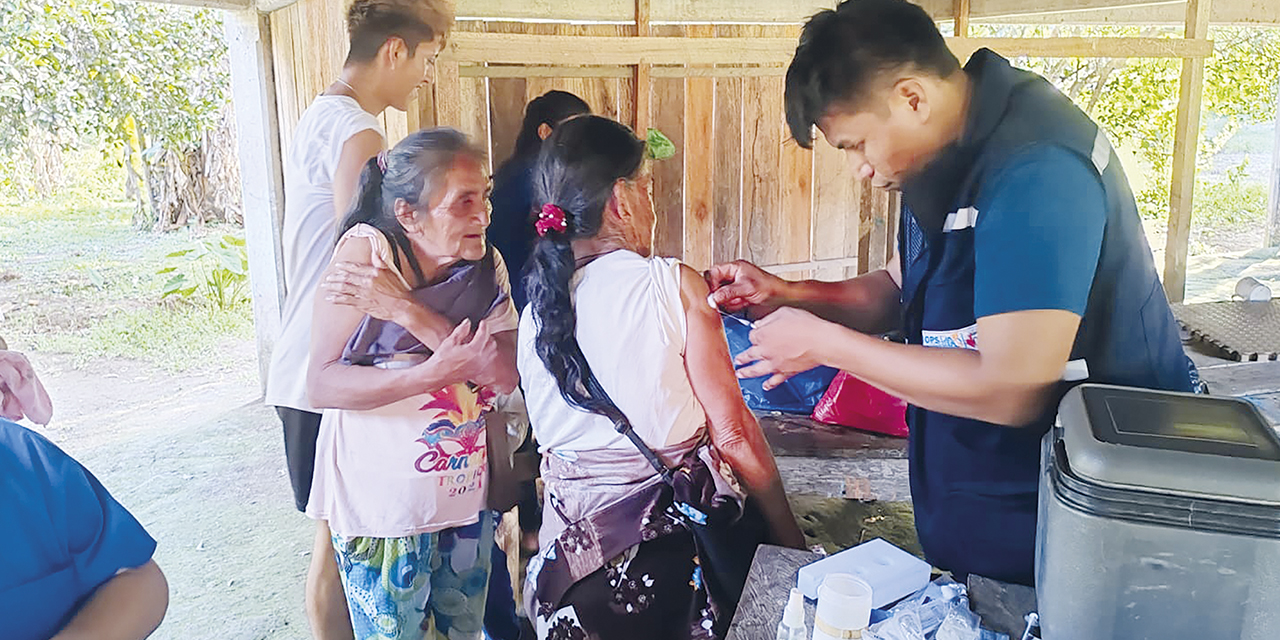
x=355, y=246
x=693, y=288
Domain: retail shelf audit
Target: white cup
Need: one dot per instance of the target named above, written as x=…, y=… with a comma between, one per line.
x=844, y=608
x=1252, y=290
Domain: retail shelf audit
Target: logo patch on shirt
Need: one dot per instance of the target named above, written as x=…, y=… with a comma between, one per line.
x=963, y=338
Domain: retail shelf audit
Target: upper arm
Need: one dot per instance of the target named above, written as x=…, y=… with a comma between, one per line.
x=707, y=359
x=332, y=324
x=356, y=152
x=103, y=537
x=1037, y=240
x=1038, y=234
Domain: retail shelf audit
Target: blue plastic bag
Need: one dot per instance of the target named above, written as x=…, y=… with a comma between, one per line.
x=799, y=394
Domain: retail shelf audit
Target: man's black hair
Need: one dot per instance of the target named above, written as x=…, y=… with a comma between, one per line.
x=843, y=53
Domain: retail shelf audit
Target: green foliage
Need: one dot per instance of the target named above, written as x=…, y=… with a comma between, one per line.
x=1136, y=100
x=1231, y=201
x=216, y=268
x=658, y=146
x=107, y=68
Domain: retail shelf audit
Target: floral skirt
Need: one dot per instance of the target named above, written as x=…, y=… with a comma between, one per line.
x=651, y=590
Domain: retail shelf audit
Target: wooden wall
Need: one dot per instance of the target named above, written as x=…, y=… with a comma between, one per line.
x=738, y=187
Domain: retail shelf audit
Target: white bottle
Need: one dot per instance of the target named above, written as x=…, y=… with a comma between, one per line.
x=792, y=626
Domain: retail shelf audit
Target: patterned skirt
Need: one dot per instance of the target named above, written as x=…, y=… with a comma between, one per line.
x=651, y=590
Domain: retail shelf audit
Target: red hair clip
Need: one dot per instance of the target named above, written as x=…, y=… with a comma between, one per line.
x=551, y=218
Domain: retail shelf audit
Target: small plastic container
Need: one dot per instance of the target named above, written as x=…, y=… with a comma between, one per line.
x=844, y=607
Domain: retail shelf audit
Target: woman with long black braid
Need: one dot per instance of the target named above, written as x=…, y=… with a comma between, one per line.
x=612, y=336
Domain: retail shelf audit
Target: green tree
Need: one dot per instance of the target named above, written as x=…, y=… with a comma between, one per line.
x=1136, y=100
x=149, y=80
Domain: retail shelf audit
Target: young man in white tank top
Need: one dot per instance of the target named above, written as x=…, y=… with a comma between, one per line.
x=393, y=45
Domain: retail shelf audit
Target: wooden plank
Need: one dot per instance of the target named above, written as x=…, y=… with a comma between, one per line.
x=249, y=52
x=667, y=103
x=545, y=50
x=699, y=170
x=699, y=162
x=835, y=212
x=448, y=92
x=473, y=104
x=761, y=161
x=282, y=58
x=1273, y=207
x=726, y=213
x=506, y=114
x=614, y=71
x=961, y=18
x=1185, y=140
x=873, y=227
x=771, y=11
x=795, y=223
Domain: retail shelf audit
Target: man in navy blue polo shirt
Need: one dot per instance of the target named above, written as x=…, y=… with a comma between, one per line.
x=1021, y=269
x=74, y=564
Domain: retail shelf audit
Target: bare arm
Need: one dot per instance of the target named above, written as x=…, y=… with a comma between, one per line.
x=332, y=384
x=356, y=152
x=867, y=303
x=1007, y=381
x=129, y=606
x=735, y=432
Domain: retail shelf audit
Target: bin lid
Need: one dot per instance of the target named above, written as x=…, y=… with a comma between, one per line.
x=1180, y=443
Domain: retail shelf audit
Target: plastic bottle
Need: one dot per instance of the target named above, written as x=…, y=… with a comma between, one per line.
x=792, y=626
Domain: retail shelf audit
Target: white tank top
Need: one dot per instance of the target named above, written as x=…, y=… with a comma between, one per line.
x=308, y=235
x=632, y=329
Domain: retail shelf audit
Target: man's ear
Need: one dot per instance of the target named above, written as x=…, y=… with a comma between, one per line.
x=544, y=131
x=394, y=51
x=911, y=95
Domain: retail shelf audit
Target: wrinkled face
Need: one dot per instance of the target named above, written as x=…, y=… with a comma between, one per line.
x=451, y=226
x=887, y=143
x=413, y=71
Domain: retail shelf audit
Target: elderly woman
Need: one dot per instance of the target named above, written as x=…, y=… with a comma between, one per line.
x=621, y=357
x=405, y=366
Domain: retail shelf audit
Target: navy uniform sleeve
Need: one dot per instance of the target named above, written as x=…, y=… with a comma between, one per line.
x=1038, y=234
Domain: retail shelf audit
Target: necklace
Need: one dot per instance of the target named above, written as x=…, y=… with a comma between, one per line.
x=585, y=260
x=348, y=86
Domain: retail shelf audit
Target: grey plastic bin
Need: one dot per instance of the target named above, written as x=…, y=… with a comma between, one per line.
x=1159, y=519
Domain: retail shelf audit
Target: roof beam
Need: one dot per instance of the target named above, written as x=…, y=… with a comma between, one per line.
x=559, y=51
x=770, y=11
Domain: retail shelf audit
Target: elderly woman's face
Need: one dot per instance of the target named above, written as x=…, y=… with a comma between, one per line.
x=451, y=226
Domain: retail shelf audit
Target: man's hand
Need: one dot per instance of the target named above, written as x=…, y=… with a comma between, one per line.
x=21, y=393
x=741, y=285
x=373, y=290
x=784, y=343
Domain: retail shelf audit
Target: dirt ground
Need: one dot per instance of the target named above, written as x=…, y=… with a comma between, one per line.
x=202, y=467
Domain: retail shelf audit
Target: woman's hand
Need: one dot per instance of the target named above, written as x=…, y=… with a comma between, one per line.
x=21, y=393
x=470, y=357
x=372, y=290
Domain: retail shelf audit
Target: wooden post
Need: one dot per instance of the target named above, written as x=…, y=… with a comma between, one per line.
x=1273, y=209
x=253, y=92
x=448, y=94
x=961, y=18
x=644, y=71
x=1185, y=140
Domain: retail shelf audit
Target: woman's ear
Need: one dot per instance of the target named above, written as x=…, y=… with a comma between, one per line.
x=544, y=131
x=620, y=202
x=406, y=215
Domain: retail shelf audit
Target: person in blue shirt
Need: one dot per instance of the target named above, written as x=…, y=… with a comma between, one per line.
x=74, y=564
x=511, y=224
x=1021, y=269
